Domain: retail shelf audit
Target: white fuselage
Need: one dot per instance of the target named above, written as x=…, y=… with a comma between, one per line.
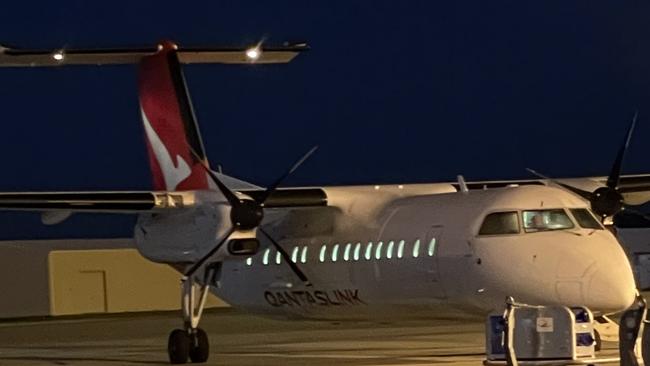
x=413, y=252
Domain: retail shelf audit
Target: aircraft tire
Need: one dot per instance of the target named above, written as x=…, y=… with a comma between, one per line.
x=200, y=347
x=178, y=346
x=598, y=341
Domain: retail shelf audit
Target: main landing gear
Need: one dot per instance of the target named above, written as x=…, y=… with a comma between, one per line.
x=191, y=342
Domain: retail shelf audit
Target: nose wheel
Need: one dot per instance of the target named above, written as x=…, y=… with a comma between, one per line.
x=191, y=343
x=182, y=346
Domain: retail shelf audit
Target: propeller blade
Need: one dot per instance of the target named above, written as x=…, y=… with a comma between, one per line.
x=580, y=192
x=279, y=181
x=615, y=174
x=195, y=267
x=287, y=259
x=230, y=195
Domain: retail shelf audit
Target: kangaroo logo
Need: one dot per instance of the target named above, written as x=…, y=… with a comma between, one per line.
x=172, y=174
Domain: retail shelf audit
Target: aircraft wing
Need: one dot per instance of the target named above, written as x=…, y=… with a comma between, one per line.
x=116, y=202
x=635, y=188
x=146, y=201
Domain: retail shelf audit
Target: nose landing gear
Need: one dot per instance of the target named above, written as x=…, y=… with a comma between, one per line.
x=191, y=342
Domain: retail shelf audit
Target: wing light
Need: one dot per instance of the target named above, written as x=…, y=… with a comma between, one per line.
x=58, y=55
x=253, y=53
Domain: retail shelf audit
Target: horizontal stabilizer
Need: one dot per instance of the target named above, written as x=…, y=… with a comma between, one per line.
x=16, y=57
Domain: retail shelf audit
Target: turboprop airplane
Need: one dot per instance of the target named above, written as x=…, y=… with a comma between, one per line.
x=385, y=252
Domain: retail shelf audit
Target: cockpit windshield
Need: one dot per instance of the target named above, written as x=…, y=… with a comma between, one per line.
x=500, y=223
x=586, y=219
x=544, y=220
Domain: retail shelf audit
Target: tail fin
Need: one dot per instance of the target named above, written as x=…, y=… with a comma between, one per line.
x=173, y=137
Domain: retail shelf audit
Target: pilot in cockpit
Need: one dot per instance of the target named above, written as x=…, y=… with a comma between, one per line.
x=536, y=222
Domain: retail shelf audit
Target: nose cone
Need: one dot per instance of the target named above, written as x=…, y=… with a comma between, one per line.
x=603, y=272
x=559, y=268
x=556, y=268
x=611, y=289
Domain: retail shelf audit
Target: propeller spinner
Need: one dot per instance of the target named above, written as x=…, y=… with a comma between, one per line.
x=247, y=214
x=605, y=201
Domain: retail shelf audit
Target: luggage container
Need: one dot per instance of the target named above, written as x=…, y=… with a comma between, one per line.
x=555, y=335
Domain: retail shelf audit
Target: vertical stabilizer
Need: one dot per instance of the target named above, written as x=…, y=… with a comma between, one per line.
x=169, y=123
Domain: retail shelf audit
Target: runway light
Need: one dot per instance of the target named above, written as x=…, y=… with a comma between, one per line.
x=254, y=53
x=58, y=56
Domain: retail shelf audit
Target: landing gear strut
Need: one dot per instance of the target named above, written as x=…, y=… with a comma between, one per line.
x=191, y=342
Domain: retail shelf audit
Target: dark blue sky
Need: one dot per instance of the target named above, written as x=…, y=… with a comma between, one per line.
x=400, y=91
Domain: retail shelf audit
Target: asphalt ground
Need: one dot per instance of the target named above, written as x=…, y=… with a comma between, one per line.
x=241, y=339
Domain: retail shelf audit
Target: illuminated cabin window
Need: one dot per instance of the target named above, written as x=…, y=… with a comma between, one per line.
x=321, y=256
x=368, y=254
x=265, y=259
x=431, y=250
x=335, y=252
x=303, y=255
x=249, y=261
x=389, y=249
x=357, y=251
x=278, y=258
x=378, y=250
x=346, y=253
x=400, y=249
x=416, y=248
x=294, y=254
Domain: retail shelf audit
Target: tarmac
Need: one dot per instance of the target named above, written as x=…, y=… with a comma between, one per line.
x=242, y=339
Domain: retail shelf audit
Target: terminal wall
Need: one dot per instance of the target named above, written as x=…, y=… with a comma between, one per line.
x=65, y=277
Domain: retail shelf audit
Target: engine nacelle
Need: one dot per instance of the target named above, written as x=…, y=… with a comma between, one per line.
x=182, y=236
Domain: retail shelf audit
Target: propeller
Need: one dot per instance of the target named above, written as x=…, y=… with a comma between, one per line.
x=287, y=259
x=605, y=201
x=248, y=213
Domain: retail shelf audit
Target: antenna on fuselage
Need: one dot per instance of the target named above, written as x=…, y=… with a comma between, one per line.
x=462, y=184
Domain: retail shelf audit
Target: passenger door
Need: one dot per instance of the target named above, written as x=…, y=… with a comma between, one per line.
x=427, y=261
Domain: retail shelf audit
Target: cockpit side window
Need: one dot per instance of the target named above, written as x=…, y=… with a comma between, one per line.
x=500, y=223
x=544, y=220
x=585, y=219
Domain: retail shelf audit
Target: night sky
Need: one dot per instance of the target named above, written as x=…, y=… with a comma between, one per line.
x=393, y=92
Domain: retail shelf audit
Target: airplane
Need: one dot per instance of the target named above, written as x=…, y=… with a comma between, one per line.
x=387, y=252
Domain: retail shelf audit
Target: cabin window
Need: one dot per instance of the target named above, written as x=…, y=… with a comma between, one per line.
x=278, y=258
x=368, y=254
x=389, y=249
x=294, y=254
x=346, y=253
x=321, y=256
x=585, y=219
x=500, y=223
x=265, y=258
x=400, y=249
x=357, y=251
x=545, y=220
x=432, y=247
x=303, y=255
x=416, y=248
x=249, y=261
x=335, y=253
x=378, y=250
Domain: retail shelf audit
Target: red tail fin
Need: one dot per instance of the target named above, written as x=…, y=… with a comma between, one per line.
x=169, y=123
